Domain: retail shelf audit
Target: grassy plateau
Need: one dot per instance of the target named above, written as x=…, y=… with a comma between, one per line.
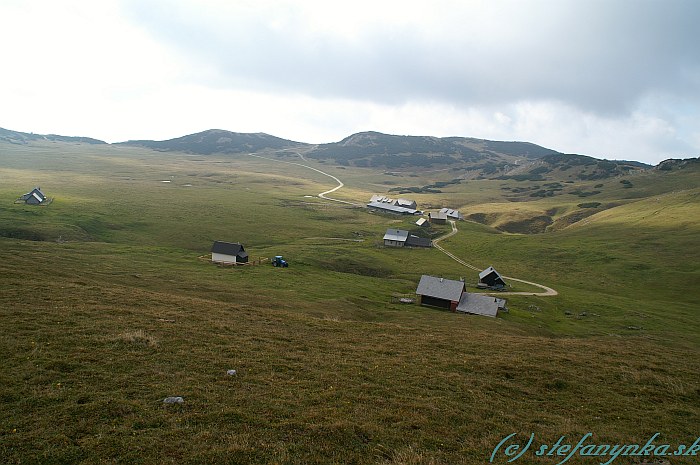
x=106, y=309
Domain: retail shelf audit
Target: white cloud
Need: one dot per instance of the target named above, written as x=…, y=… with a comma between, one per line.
x=614, y=79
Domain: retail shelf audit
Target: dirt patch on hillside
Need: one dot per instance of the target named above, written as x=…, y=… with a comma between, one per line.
x=483, y=218
x=567, y=220
x=534, y=225
x=517, y=223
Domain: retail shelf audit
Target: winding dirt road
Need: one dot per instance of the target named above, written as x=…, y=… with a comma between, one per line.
x=322, y=195
x=547, y=291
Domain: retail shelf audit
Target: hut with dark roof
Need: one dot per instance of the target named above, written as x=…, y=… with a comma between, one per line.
x=228, y=253
x=491, y=278
x=35, y=197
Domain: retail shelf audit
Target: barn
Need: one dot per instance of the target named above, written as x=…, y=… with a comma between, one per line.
x=402, y=238
x=480, y=304
x=228, y=253
x=438, y=217
x=406, y=203
x=491, y=278
x=395, y=237
x=440, y=292
x=452, y=214
x=35, y=197
x=401, y=206
x=414, y=241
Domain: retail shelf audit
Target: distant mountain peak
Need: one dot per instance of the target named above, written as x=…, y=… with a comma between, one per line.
x=17, y=137
x=218, y=141
x=374, y=148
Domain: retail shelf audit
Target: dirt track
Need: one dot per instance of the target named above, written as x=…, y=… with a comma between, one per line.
x=548, y=291
x=322, y=194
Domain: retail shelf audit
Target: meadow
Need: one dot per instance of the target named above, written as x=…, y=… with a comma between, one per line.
x=106, y=309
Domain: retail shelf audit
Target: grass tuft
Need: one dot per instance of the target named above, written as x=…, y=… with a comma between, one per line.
x=137, y=338
x=408, y=456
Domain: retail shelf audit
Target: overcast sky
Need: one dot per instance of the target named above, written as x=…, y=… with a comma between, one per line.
x=613, y=79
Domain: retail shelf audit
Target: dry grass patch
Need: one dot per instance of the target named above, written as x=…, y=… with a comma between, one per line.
x=137, y=338
x=406, y=456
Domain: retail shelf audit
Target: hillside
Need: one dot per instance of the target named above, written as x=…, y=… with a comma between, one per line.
x=107, y=309
x=16, y=137
x=217, y=141
x=467, y=158
x=568, y=166
x=375, y=149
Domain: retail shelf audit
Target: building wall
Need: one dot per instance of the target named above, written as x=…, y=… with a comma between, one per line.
x=221, y=258
x=492, y=279
x=393, y=243
x=433, y=302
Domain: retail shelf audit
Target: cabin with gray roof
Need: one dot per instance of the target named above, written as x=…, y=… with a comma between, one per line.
x=452, y=214
x=399, y=206
x=440, y=292
x=35, y=197
x=480, y=304
x=437, y=217
x=402, y=238
x=450, y=294
x=395, y=237
x=422, y=222
x=414, y=241
x=491, y=278
x=228, y=253
x=406, y=203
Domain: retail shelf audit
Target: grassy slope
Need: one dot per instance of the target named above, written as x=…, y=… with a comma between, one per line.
x=98, y=330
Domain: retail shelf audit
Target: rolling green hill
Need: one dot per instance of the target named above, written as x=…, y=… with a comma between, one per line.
x=16, y=137
x=384, y=150
x=468, y=157
x=217, y=141
x=106, y=309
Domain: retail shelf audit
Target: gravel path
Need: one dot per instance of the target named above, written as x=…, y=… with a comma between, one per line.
x=547, y=291
x=322, y=195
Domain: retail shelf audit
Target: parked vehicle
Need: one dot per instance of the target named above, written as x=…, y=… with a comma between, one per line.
x=279, y=261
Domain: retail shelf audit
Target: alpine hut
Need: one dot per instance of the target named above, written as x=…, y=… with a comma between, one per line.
x=402, y=238
x=395, y=237
x=480, y=304
x=386, y=204
x=440, y=292
x=491, y=278
x=452, y=214
x=228, y=253
x=35, y=197
x=438, y=217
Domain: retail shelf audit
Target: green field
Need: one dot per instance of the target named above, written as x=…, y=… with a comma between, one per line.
x=106, y=309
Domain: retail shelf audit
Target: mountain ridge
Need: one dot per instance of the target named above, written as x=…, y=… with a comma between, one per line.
x=17, y=137
x=376, y=149
x=217, y=141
